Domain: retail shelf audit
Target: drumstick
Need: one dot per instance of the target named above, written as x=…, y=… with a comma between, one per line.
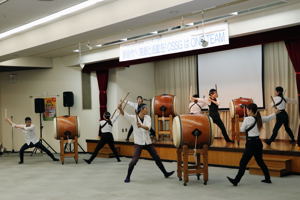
x=121, y=103
x=273, y=102
x=216, y=87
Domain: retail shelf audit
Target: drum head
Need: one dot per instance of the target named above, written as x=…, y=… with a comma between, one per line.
x=152, y=106
x=175, y=108
x=176, y=128
x=231, y=109
x=213, y=128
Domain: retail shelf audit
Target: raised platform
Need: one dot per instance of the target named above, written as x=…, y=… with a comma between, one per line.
x=220, y=153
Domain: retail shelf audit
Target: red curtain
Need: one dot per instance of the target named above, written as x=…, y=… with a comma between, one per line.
x=293, y=47
x=102, y=77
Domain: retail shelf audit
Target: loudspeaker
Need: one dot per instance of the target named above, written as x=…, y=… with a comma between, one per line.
x=68, y=99
x=39, y=105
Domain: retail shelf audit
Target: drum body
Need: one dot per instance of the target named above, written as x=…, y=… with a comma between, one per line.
x=164, y=105
x=237, y=107
x=185, y=125
x=67, y=127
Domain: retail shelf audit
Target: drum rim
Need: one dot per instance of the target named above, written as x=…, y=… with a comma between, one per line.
x=212, y=133
x=232, y=110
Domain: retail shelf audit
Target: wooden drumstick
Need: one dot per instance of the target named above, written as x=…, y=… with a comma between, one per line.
x=121, y=103
x=274, y=105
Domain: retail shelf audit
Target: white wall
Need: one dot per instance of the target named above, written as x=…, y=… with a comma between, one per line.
x=14, y=97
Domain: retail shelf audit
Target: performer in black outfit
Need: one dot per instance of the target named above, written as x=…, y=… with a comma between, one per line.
x=30, y=139
x=251, y=126
x=105, y=132
x=282, y=117
x=213, y=105
x=141, y=123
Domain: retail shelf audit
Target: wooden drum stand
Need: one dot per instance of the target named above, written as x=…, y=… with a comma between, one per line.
x=64, y=154
x=159, y=126
x=235, y=128
x=198, y=168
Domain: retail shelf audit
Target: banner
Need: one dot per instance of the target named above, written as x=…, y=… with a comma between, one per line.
x=50, y=109
x=187, y=40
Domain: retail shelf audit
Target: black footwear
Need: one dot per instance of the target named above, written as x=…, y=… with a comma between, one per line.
x=266, y=181
x=268, y=142
x=127, y=180
x=87, y=161
x=230, y=141
x=231, y=180
x=293, y=142
x=55, y=159
x=21, y=162
x=118, y=159
x=168, y=174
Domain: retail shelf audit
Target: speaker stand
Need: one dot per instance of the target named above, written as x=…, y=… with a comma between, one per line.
x=41, y=139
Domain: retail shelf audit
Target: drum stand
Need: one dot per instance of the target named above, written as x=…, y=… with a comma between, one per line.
x=41, y=138
x=184, y=168
x=235, y=128
x=64, y=154
x=159, y=126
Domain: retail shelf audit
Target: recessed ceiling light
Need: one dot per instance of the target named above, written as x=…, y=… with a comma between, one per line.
x=234, y=13
x=49, y=18
x=76, y=51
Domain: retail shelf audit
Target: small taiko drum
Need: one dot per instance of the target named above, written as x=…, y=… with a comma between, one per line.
x=67, y=127
x=191, y=130
x=164, y=105
x=237, y=107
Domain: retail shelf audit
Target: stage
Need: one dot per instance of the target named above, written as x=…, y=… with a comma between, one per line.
x=220, y=153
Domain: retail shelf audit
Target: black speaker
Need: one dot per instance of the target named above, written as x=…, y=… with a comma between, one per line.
x=39, y=105
x=68, y=99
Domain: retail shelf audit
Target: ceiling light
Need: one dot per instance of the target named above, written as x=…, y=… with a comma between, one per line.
x=234, y=13
x=190, y=24
x=124, y=39
x=3, y=1
x=49, y=18
x=154, y=32
x=98, y=45
x=76, y=51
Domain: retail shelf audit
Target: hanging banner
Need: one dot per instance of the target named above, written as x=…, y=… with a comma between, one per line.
x=192, y=39
x=50, y=109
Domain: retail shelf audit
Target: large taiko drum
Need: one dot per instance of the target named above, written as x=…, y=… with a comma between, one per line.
x=186, y=126
x=237, y=107
x=164, y=105
x=66, y=127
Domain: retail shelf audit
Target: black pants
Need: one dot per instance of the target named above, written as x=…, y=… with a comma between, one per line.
x=37, y=145
x=217, y=120
x=282, y=118
x=253, y=148
x=137, y=154
x=106, y=138
x=152, y=132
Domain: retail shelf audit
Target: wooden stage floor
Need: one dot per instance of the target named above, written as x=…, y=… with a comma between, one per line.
x=220, y=153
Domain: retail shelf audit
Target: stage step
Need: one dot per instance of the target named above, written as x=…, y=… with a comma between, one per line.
x=277, y=167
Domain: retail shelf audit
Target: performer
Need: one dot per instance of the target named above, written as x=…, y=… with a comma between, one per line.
x=282, y=117
x=196, y=104
x=213, y=105
x=141, y=123
x=105, y=132
x=30, y=139
x=134, y=105
x=252, y=126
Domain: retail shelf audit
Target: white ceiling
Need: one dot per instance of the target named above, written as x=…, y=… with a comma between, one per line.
x=17, y=12
x=14, y=13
